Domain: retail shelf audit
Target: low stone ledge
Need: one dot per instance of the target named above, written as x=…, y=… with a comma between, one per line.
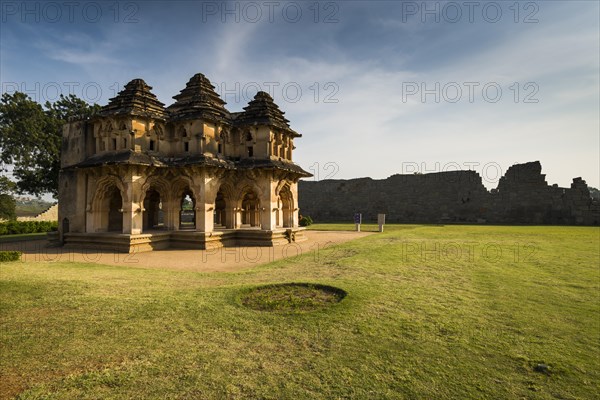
x=192, y=240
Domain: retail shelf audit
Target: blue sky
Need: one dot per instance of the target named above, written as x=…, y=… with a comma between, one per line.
x=376, y=88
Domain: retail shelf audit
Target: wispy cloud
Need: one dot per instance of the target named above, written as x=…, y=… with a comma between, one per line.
x=368, y=56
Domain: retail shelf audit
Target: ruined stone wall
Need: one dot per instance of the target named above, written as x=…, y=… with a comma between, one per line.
x=522, y=197
x=51, y=214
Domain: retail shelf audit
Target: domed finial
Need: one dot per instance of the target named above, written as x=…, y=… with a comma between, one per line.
x=198, y=78
x=263, y=95
x=138, y=84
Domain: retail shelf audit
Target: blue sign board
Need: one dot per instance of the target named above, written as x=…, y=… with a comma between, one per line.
x=357, y=218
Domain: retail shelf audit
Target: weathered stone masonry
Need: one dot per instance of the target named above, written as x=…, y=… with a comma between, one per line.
x=140, y=176
x=522, y=197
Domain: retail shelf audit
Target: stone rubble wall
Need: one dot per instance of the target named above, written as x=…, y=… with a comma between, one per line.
x=522, y=197
x=51, y=214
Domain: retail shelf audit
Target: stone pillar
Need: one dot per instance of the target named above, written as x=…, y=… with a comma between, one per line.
x=229, y=218
x=204, y=207
x=128, y=216
x=256, y=215
x=268, y=201
x=204, y=210
x=132, y=208
x=295, y=210
x=175, y=215
x=171, y=213
x=90, y=216
x=295, y=221
x=237, y=218
x=204, y=217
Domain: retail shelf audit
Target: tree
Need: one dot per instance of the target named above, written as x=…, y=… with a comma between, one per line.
x=7, y=202
x=31, y=135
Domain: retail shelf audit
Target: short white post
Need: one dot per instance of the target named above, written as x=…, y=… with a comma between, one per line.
x=381, y=221
x=357, y=221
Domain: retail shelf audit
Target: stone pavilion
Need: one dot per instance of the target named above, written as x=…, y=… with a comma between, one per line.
x=140, y=176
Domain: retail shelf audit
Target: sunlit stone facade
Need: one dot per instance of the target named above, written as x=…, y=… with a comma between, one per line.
x=138, y=176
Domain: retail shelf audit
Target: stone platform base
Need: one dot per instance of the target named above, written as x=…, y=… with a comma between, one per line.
x=159, y=240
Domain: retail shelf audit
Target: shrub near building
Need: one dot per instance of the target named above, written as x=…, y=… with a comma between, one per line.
x=305, y=221
x=6, y=256
x=23, y=227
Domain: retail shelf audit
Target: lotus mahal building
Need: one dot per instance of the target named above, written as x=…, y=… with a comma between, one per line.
x=138, y=176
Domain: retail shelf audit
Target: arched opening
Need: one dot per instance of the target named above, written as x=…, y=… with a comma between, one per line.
x=187, y=212
x=220, y=212
x=115, y=210
x=287, y=207
x=153, y=217
x=250, y=210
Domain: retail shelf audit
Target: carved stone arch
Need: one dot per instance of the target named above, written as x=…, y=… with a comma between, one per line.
x=110, y=125
x=159, y=130
x=155, y=200
x=223, y=214
x=286, y=204
x=244, y=189
x=224, y=136
x=249, y=204
x=286, y=191
x=246, y=186
x=98, y=128
x=182, y=183
x=181, y=187
x=104, y=185
x=235, y=136
x=159, y=183
x=227, y=189
x=183, y=132
x=105, y=211
x=282, y=183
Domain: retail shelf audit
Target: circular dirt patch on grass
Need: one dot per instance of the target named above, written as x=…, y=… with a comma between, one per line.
x=292, y=297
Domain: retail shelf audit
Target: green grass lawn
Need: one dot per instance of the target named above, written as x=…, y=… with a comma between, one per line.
x=431, y=312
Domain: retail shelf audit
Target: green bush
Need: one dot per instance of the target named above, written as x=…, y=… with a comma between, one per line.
x=22, y=227
x=10, y=256
x=305, y=221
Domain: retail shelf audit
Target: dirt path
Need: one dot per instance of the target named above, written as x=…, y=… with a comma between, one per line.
x=223, y=259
